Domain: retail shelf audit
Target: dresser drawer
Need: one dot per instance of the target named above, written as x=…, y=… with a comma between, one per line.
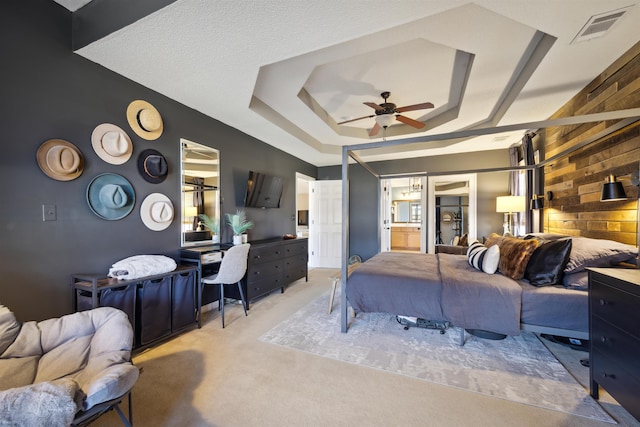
x=264, y=285
x=295, y=271
x=617, y=381
x=615, y=344
x=257, y=272
x=296, y=248
x=265, y=254
x=618, y=307
x=295, y=261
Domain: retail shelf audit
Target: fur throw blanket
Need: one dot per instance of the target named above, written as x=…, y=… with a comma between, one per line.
x=51, y=403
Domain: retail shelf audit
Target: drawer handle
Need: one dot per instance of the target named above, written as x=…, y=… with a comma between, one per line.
x=604, y=339
x=605, y=375
x=257, y=257
x=603, y=302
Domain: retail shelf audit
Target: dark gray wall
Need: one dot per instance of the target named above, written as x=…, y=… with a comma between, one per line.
x=363, y=188
x=49, y=92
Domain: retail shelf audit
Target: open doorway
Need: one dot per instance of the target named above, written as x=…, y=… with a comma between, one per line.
x=403, y=222
x=302, y=204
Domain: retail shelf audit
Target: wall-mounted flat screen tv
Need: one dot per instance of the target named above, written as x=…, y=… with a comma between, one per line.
x=263, y=191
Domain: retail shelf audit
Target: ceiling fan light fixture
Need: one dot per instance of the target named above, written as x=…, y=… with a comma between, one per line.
x=385, y=120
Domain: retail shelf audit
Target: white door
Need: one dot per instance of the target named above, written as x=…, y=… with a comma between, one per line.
x=385, y=217
x=325, y=223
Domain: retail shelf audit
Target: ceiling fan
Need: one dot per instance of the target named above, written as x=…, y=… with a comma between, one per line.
x=387, y=111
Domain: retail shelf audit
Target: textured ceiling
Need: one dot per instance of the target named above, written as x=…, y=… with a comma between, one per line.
x=287, y=71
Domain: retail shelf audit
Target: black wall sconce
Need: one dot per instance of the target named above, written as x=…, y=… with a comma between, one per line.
x=612, y=190
x=537, y=202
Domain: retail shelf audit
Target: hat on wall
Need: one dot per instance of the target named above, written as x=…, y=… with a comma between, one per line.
x=156, y=211
x=111, y=144
x=60, y=160
x=144, y=119
x=152, y=166
x=110, y=196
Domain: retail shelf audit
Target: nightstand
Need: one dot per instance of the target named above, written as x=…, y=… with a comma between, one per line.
x=614, y=331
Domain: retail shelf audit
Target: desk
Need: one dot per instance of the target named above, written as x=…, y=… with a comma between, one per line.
x=207, y=261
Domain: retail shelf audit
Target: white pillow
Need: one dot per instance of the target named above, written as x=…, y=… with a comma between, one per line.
x=483, y=258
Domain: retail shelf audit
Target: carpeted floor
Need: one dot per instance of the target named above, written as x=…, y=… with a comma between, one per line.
x=214, y=377
x=520, y=369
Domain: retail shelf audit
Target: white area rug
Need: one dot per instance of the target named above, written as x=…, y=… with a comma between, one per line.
x=519, y=369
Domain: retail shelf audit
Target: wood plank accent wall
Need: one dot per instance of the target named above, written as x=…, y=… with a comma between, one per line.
x=576, y=180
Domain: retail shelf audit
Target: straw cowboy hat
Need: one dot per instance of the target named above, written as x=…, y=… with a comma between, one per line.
x=152, y=166
x=144, y=119
x=60, y=160
x=111, y=144
x=156, y=211
x=110, y=196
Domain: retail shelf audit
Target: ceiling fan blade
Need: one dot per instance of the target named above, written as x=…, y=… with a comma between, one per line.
x=359, y=118
x=422, y=106
x=374, y=130
x=407, y=121
x=374, y=106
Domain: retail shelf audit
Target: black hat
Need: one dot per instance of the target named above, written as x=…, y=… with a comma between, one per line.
x=152, y=166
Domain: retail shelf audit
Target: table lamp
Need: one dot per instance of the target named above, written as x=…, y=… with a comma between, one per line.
x=508, y=205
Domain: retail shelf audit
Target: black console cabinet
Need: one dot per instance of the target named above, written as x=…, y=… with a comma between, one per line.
x=614, y=316
x=158, y=306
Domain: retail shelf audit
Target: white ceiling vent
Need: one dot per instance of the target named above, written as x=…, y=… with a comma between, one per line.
x=599, y=25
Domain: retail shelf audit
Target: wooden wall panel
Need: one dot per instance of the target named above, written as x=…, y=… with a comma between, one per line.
x=576, y=181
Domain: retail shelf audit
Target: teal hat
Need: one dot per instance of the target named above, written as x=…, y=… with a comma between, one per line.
x=110, y=196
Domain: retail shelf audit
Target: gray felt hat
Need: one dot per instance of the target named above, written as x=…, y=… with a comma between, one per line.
x=110, y=196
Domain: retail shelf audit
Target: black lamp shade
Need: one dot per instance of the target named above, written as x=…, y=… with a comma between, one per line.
x=612, y=190
x=537, y=202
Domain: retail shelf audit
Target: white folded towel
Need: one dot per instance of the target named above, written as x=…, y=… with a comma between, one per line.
x=141, y=266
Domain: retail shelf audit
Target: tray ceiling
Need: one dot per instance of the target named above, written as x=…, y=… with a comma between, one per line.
x=286, y=71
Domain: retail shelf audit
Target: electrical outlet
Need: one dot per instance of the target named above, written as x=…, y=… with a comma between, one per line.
x=49, y=213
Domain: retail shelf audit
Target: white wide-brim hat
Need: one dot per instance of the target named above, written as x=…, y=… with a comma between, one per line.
x=144, y=120
x=111, y=144
x=60, y=160
x=156, y=211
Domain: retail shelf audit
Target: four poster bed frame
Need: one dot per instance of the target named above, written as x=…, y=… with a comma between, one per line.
x=624, y=118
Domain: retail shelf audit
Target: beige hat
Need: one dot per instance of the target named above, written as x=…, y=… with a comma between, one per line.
x=111, y=144
x=156, y=211
x=144, y=119
x=60, y=160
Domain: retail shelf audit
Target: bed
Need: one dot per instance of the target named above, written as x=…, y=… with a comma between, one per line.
x=538, y=284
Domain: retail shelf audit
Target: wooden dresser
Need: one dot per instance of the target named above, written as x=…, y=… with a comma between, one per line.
x=272, y=265
x=614, y=331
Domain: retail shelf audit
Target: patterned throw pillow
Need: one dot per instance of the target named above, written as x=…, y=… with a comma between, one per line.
x=482, y=258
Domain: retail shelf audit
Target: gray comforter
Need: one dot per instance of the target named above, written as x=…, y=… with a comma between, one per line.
x=440, y=287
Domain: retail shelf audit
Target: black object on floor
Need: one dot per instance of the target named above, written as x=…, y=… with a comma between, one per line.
x=417, y=322
x=574, y=343
x=480, y=333
x=585, y=362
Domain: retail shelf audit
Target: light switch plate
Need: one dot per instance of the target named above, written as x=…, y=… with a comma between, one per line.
x=49, y=213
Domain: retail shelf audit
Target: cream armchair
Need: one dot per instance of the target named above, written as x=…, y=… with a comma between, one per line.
x=67, y=370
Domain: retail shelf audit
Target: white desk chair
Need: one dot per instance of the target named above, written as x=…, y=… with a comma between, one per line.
x=232, y=269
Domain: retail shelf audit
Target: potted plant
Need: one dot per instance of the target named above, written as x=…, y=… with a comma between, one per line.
x=212, y=225
x=239, y=224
